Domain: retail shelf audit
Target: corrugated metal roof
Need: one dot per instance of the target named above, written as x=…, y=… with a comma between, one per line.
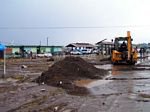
x=80, y=45
x=30, y=46
x=105, y=42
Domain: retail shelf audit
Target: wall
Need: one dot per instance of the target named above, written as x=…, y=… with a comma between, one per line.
x=15, y=49
x=48, y=50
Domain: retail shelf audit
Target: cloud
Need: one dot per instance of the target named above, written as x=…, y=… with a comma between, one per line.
x=133, y=14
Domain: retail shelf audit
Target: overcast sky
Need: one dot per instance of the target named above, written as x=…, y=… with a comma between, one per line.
x=68, y=21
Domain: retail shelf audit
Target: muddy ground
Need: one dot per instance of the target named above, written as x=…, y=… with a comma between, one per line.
x=64, y=73
x=124, y=89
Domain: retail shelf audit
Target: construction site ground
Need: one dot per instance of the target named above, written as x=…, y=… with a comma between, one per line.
x=124, y=89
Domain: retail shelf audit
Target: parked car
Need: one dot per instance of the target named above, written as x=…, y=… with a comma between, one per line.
x=86, y=51
x=41, y=55
x=47, y=55
x=95, y=51
x=76, y=52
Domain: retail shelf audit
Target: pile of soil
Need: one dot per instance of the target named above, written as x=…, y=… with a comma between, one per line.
x=66, y=71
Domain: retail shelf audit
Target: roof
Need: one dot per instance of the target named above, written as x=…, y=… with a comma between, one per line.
x=80, y=45
x=30, y=46
x=105, y=43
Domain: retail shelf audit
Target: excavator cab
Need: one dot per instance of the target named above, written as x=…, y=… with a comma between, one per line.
x=123, y=51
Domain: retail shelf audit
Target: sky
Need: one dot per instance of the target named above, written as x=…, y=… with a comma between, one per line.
x=31, y=22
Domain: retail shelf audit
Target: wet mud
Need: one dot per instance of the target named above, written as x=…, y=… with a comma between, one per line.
x=123, y=89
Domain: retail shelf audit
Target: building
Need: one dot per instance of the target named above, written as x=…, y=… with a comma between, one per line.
x=80, y=46
x=23, y=50
x=105, y=47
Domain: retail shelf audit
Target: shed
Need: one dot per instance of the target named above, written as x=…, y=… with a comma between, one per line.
x=105, y=47
x=80, y=46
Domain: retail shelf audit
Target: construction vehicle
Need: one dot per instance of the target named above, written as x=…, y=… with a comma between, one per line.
x=122, y=54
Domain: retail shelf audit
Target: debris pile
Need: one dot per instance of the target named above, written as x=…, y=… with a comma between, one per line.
x=66, y=71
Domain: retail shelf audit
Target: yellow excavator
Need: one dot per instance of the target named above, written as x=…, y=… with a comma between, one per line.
x=123, y=52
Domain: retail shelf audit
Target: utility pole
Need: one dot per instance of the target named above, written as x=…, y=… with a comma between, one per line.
x=47, y=41
x=40, y=43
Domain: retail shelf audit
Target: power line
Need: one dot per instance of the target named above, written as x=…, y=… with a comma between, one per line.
x=73, y=27
x=9, y=43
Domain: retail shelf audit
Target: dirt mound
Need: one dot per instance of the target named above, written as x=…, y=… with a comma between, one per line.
x=68, y=70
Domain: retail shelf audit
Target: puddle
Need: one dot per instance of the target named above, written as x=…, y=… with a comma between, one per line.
x=106, y=67
x=94, y=87
x=2, y=81
x=119, y=81
x=132, y=96
x=142, y=68
x=142, y=97
x=91, y=83
x=97, y=83
x=83, y=83
x=100, y=87
x=145, y=61
x=139, y=97
x=129, y=75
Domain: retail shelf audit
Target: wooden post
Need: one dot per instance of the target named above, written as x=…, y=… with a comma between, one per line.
x=3, y=76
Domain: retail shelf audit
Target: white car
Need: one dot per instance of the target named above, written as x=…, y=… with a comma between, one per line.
x=41, y=55
x=86, y=51
x=47, y=55
x=75, y=52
